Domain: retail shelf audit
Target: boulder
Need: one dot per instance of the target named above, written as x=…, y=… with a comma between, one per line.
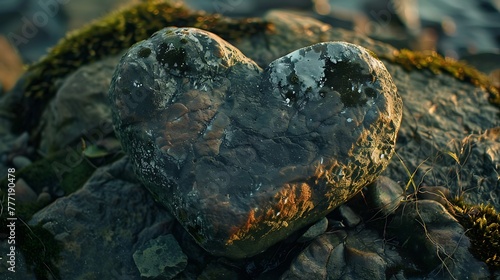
x=245, y=156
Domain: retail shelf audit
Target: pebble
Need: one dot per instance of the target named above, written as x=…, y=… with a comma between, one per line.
x=44, y=198
x=351, y=219
x=24, y=193
x=385, y=195
x=314, y=231
x=21, y=162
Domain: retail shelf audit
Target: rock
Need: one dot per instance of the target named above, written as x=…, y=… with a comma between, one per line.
x=421, y=239
x=215, y=270
x=338, y=256
x=71, y=117
x=44, y=198
x=108, y=217
x=350, y=218
x=24, y=194
x=435, y=241
x=10, y=143
x=161, y=257
x=314, y=231
x=233, y=150
x=21, y=161
x=385, y=195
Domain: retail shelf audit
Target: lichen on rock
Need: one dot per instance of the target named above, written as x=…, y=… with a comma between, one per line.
x=245, y=156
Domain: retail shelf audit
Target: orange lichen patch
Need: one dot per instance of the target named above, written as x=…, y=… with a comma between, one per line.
x=250, y=221
x=291, y=202
x=328, y=174
x=438, y=64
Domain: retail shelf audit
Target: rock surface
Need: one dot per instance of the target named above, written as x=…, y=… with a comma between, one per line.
x=243, y=157
x=70, y=115
x=160, y=258
x=109, y=218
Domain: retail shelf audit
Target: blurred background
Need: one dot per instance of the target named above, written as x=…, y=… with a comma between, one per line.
x=463, y=29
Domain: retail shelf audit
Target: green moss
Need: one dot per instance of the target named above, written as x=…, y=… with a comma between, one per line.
x=111, y=35
x=438, y=64
x=482, y=225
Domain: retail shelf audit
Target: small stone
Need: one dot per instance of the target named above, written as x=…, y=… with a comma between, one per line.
x=21, y=162
x=350, y=218
x=341, y=255
x=59, y=192
x=245, y=156
x=215, y=270
x=24, y=193
x=160, y=258
x=314, y=231
x=44, y=198
x=21, y=142
x=384, y=195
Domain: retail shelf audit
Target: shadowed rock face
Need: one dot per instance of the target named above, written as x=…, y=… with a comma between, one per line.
x=243, y=156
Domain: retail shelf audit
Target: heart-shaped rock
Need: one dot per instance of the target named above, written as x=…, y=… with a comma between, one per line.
x=242, y=156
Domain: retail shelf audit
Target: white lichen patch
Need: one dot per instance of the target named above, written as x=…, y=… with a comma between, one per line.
x=306, y=74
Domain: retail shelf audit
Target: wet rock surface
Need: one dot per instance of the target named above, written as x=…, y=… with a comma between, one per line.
x=70, y=115
x=242, y=156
